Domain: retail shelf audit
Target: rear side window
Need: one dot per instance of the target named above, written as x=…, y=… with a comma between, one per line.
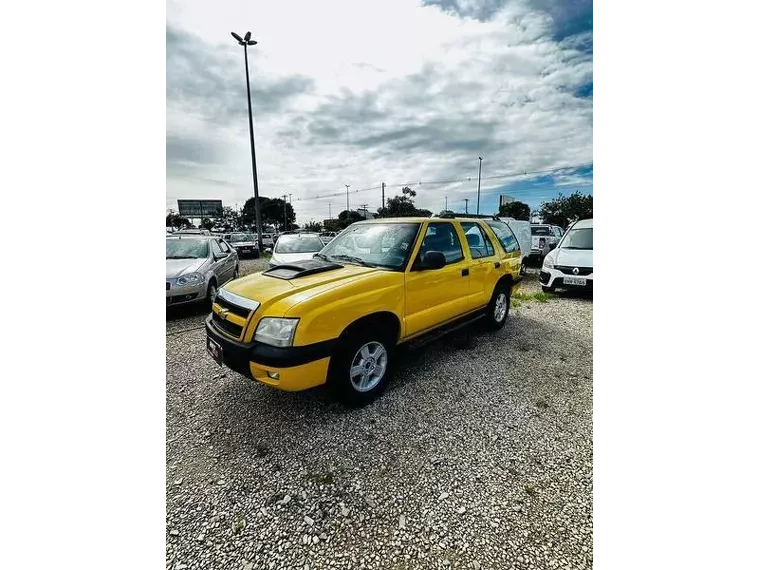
x=478, y=241
x=540, y=231
x=505, y=235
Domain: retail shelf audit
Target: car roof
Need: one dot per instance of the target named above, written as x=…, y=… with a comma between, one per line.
x=190, y=236
x=583, y=224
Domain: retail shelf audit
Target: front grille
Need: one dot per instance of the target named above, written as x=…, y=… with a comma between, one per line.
x=226, y=326
x=569, y=270
x=232, y=308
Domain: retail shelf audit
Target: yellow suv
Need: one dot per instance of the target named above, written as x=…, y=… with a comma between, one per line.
x=338, y=318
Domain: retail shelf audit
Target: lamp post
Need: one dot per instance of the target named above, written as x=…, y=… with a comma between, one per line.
x=245, y=42
x=347, y=199
x=479, y=176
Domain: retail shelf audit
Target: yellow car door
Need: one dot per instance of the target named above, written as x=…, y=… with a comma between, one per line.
x=434, y=296
x=485, y=268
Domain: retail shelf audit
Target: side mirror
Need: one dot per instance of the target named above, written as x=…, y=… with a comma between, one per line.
x=433, y=260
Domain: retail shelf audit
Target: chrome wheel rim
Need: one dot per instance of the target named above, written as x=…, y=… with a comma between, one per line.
x=501, y=304
x=368, y=366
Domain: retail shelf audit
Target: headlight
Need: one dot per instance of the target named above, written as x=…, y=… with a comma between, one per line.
x=276, y=331
x=548, y=262
x=190, y=278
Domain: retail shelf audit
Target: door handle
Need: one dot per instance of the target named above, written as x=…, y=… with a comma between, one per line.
x=465, y=272
x=497, y=264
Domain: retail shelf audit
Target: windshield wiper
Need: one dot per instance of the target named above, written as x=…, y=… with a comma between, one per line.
x=322, y=256
x=180, y=257
x=351, y=259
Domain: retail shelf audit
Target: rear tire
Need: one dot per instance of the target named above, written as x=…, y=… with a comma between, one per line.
x=497, y=310
x=361, y=367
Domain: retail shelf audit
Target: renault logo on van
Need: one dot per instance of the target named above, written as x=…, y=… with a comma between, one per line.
x=576, y=271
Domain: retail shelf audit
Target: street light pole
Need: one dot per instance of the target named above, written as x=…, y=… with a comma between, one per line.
x=479, y=176
x=347, y=199
x=466, y=205
x=245, y=42
x=284, y=203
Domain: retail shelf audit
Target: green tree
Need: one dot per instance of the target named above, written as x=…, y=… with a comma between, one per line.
x=563, y=210
x=332, y=225
x=402, y=206
x=174, y=220
x=313, y=226
x=231, y=219
x=516, y=210
x=272, y=212
x=346, y=218
x=207, y=223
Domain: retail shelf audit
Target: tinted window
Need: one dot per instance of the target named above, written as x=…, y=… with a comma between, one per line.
x=505, y=235
x=479, y=244
x=442, y=237
x=540, y=230
x=186, y=248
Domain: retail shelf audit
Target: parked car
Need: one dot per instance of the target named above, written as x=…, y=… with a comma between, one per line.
x=570, y=265
x=244, y=244
x=544, y=239
x=267, y=240
x=339, y=317
x=196, y=266
x=295, y=247
x=327, y=236
x=193, y=232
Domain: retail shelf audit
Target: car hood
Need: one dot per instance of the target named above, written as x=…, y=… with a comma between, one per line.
x=177, y=267
x=280, y=258
x=574, y=257
x=269, y=290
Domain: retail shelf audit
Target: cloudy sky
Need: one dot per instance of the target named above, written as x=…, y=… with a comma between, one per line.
x=400, y=91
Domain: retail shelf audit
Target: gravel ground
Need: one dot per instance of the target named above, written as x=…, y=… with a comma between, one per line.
x=479, y=455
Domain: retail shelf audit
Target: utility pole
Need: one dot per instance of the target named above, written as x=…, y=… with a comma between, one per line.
x=446, y=203
x=347, y=200
x=291, y=205
x=364, y=208
x=330, y=210
x=479, y=176
x=284, y=199
x=383, y=196
x=466, y=205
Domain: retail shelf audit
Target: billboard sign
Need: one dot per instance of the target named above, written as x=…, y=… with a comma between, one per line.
x=200, y=208
x=505, y=199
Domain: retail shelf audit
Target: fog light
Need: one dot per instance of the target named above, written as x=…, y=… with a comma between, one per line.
x=273, y=375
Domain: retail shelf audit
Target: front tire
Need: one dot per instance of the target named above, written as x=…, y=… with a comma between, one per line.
x=498, y=309
x=361, y=367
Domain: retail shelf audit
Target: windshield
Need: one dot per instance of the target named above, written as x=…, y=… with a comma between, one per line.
x=298, y=244
x=186, y=248
x=578, y=239
x=540, y=230
x=380, y=245
x=240, y=237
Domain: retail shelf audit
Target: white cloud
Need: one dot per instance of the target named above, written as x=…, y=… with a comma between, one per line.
x=357, y=93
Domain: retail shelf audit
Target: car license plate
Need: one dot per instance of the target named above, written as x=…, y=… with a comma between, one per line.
x=575, y=281
x=214, y=349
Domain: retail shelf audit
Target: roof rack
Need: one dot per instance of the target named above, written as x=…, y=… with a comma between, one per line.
x=454, y=215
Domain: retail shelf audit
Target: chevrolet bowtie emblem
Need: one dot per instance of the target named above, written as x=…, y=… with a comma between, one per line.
x=223, y=314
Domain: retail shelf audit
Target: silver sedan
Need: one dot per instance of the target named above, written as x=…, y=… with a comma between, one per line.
x=196, y=266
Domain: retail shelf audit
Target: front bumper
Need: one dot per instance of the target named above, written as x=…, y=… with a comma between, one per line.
x=555, y=278
x=184, y=294
x=294, y=368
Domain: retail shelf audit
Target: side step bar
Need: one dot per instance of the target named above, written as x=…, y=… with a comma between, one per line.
x=440, y=332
